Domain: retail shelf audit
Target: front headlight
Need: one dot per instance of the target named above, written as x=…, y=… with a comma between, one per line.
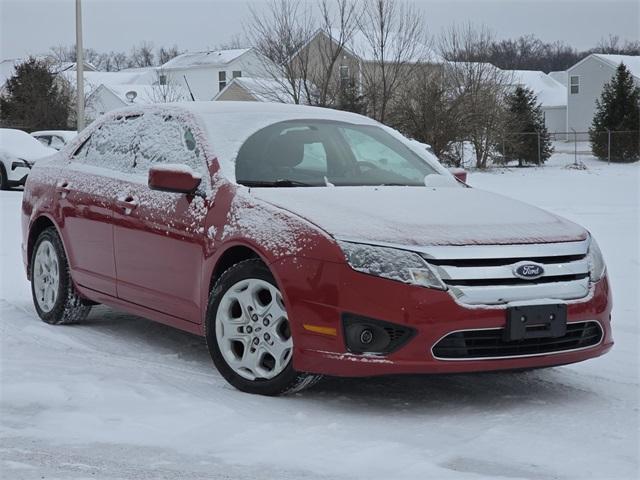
x=596, y=261
x=391, y=263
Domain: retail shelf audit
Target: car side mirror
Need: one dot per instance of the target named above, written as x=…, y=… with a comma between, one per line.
x=459, y=173
x=174, y=178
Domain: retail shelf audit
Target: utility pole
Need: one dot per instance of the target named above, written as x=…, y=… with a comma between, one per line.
x=79, y=69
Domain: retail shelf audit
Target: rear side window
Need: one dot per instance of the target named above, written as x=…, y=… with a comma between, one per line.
x=113, y=145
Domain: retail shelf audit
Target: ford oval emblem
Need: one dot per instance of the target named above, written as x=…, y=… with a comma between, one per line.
x=528, y=270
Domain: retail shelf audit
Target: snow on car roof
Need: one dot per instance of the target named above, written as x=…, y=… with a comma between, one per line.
x=22, y=145
x=229, y=124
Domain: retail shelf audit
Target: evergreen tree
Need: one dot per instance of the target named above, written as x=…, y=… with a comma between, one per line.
x=617, y=110
x=350, y=98
x=33, y=100
x=527, y=129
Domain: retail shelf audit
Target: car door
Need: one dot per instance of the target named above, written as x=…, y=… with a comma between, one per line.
x=87, y=187
x=159, y=236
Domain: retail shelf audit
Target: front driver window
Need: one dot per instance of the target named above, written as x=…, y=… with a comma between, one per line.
x=167, y=139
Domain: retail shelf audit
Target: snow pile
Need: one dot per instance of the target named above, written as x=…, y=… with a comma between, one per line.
x=120, y=397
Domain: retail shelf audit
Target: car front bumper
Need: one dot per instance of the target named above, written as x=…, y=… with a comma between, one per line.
x=318, y=293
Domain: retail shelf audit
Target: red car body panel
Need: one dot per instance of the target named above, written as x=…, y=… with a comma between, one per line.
x=154, y=254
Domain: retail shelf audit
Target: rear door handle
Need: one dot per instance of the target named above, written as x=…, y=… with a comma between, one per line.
x=129, y=203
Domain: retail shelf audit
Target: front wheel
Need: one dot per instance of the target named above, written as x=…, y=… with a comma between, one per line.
x=248, y=332
x=54, y=294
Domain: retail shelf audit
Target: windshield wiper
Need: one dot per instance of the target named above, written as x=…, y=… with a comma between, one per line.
x=281, y=182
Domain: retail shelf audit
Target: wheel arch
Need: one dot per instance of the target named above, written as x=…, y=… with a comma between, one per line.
x=39, y=225
x=231, y=256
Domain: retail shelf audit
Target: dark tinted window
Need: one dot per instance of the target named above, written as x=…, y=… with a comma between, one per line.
x=319, y=152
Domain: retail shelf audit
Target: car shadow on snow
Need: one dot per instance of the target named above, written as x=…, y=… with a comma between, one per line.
x=488, y=390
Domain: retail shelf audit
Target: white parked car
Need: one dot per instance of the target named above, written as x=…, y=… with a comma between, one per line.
x=18, y=153
x=55, y=138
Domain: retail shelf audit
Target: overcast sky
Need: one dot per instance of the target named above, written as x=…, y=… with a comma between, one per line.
x=33, y=26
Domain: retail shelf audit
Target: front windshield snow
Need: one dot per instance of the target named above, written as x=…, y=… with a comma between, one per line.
x=320, y=152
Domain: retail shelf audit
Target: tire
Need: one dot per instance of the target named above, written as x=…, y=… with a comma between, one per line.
x=4, y=181
x=242, y=306
x=54, y=294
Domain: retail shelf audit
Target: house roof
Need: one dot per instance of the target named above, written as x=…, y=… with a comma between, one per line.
x=207, y=58
x=145, y=94
x=559, y=76
x=262, y=89
x=631, y=61
x=93, y=80
x=361, y=46
x=550, y=92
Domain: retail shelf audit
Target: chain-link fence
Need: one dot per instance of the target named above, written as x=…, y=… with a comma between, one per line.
x=530, y=147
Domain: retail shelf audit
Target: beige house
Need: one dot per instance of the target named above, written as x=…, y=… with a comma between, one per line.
x=358, y=59
x=245, y=89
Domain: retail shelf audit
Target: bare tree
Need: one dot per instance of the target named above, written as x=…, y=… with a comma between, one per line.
x=165, y=89
x=119, y=60
x=394, y=45
x=166, y=54
x=338, y=23
x=479, y=87
x=237, y=41
x=278, y=33
x=612, y=44
x=142, y=55
x=426, y=111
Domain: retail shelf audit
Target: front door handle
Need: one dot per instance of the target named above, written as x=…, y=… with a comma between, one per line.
x=63, y=188
x=129, y=203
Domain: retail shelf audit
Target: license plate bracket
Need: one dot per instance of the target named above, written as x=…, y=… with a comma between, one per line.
x=535, y=321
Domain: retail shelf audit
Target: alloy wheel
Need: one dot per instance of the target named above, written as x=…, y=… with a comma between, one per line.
x=252, y=330
x=46, y=276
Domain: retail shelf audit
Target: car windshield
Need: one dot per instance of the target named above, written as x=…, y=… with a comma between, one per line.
x=320, y=152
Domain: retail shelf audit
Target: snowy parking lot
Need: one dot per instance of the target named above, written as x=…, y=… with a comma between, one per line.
x=121, y=397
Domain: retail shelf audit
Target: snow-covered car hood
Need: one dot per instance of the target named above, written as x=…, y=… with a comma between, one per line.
x=420, y=216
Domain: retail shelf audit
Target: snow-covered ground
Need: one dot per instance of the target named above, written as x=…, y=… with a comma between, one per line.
x=122, y=397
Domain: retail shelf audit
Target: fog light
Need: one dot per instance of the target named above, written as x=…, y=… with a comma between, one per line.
x=367, y=335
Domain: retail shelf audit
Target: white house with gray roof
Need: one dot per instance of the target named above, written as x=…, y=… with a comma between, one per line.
x=585, y=81
x=207, y=73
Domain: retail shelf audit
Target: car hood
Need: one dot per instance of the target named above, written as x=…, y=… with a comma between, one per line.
x=420, y=216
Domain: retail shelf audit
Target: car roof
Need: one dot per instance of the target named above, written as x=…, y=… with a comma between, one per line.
x=239, y=108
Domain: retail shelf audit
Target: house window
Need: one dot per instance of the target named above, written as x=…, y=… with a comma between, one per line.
x=344, y=73
x=236, y=74
x=574, y=84
x=222, y=80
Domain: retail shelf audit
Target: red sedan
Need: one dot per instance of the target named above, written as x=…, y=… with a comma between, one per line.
x=303, y=241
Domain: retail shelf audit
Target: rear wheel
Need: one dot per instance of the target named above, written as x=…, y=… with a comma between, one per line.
x=248, y=332
x=54, y=294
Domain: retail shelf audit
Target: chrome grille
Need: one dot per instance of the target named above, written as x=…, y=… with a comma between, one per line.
x=484, y=274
